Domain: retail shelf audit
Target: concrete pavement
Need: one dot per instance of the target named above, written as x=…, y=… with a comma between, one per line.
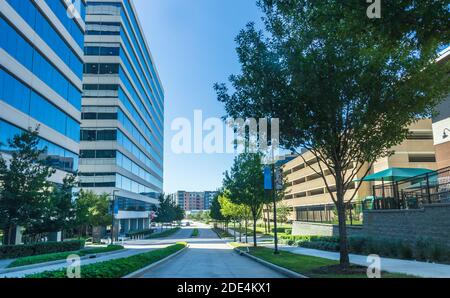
x=210, y=257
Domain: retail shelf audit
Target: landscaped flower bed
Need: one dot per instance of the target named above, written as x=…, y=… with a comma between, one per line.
x=422, y=250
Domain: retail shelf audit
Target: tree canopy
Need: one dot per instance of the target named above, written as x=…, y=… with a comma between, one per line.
x=245, y=184
x=343, y=86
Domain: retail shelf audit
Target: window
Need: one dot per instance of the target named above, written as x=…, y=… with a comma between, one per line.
x=420, y=135
x=421, y=158
x=101, y=68
x=98, y=154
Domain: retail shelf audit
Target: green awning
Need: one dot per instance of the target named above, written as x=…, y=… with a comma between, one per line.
x=396, y=174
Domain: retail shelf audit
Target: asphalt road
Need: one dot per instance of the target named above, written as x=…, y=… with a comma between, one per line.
x=209, y=257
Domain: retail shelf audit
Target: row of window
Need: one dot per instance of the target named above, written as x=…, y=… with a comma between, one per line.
x=13, y=43
x=60, y=10
x=127, y=184
x=101, y=51
x=117, y=135
x=127, y=164
x=153, y=121
x=126, y=204
x=114, y=90
x=148, y=75
x=142, y=43
x=125, y=142
x=39, y=23
x=113, y=68
x=58, y=157
x=123, y=162
x=29, y=102
x=151, y=99
x=108, y=28
x=128, y=144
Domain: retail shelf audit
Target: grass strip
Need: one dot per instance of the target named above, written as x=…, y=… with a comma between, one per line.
x=62, y=255
x=310, y=266
x=221, y=233
x=163, y=234
x=116, y=268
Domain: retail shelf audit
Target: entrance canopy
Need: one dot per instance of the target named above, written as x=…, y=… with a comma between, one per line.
x=396, y=174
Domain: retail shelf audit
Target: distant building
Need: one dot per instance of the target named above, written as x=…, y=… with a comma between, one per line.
x=194, y=200
x=441, y=125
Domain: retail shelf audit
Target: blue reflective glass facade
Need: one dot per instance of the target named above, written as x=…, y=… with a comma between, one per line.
x=123, y=105
x=41, y=75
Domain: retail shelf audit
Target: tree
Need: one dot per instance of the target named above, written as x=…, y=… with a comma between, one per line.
x=24, y=183
x=344, y=87
x=215, y=212
x=179, y=213
x=166, y=210
x=59, y=210
x=283, y=212
x=245, y=183
x=236, y=212
x=92, y=210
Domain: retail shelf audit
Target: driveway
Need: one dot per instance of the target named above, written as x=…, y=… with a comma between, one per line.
x=210, y=257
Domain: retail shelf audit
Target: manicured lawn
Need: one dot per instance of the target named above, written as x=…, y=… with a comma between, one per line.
x=62, y=255
x=117, y=268
x=221, y=233
x=309, y=266
x=194, y=233
x=163, y=234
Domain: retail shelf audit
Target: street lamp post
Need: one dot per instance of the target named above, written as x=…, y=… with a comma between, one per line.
x=113, y=213
x=274, y=198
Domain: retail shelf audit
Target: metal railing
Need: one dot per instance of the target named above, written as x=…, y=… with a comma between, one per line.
x=328, y=213
x=413, y=193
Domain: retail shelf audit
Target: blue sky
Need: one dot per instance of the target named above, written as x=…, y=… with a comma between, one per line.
x=192, y=42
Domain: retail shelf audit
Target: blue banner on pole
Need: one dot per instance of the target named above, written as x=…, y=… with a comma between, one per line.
x=116, y=207
x=267, y=178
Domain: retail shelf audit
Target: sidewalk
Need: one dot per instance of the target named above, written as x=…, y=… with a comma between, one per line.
x=420, y=269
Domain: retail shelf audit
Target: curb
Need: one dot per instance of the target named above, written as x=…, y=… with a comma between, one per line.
x=284, y=271
x=138, y=273
x=56, y=262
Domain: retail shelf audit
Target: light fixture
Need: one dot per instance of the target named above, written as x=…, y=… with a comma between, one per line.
x=445, y=135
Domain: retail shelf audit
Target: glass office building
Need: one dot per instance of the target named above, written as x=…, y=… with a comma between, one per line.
x=122, y=114
x=41, y=71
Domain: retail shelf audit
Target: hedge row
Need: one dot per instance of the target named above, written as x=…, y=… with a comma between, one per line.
x=116, y=268
x=62, y=255
x=18, y=251
x=422, y=250
x=287, y=231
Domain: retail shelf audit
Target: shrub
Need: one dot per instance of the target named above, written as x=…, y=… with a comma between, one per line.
x=62, y=255
x=17, y=251
x=288, y=231
x=357, y=244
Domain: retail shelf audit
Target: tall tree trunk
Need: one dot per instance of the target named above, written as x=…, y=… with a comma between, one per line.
x=9, y=233
x=343, y=243
x=268, y=220
x=240, y=231
x=254, y=231
x=234, y=229
x=265, y=222
x=246, y=231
